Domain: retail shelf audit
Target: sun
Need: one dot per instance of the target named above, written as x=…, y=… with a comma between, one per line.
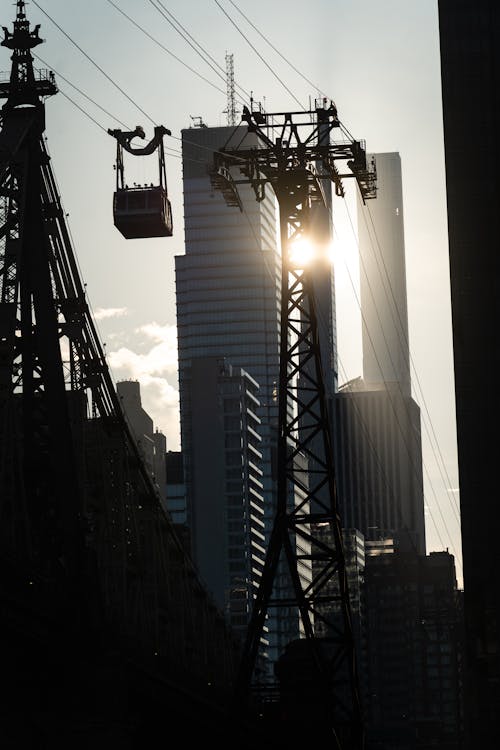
x=303, y=252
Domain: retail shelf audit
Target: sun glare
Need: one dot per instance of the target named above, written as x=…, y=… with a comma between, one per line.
x=303, y=252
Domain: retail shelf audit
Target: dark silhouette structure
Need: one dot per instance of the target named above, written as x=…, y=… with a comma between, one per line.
x=317, y=684
x=470, y=70
x=107, y=633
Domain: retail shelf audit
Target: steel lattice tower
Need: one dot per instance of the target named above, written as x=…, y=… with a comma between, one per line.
x=319, y=693
x=88, y=555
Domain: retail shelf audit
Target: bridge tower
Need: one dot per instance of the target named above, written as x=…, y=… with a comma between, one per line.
x=94, y=580
x=316, y=692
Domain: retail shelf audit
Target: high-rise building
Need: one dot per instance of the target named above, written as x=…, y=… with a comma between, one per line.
x=386, y=354
x=175, y=501
x=379, y=461
x=227, y=517
x=228, y=291
x=469, y=32
x=377, y=423
x=414, y=647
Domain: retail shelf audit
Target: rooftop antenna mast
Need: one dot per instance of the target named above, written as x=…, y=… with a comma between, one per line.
x=231, y=104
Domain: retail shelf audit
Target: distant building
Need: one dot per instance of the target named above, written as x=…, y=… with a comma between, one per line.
x=376, y=422
x=175, y=501
x=379, y=462
x=386, y=352
x=415, y=651
x=159, y=467
x=152, y=445
x=469, y=33
x=227, y=521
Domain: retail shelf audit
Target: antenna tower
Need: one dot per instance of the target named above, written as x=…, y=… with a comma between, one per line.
x=231, y=106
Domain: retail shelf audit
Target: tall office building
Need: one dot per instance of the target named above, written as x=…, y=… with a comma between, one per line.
x=386, y=354
x=470, y=70
x=228, y=288
x=377, y=423
x=175, y=500
x=227, y=515
x=379, y=462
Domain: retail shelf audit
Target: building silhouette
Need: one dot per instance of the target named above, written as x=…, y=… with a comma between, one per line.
x=152, y=444
x=413, y=633
x=469, y=34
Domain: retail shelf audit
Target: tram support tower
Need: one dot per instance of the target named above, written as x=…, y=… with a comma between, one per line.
x=296, y=153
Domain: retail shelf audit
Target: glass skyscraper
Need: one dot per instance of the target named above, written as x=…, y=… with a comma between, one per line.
x=228, y=292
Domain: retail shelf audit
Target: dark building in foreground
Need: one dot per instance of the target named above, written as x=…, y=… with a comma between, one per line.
x=414, y=648
x=470, y=70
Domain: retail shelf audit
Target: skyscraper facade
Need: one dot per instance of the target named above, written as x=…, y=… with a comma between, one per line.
x=227, y=517
x=377, y=423
x=469, y=33
x=379, y=462
x=228, y=292
x=386, y=354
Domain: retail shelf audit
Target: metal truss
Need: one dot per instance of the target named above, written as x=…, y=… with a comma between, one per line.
x=319, y=690
x=80, y=517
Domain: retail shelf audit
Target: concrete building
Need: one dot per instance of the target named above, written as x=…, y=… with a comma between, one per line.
x=152, y=445
x=415, y=648
x=469, y=32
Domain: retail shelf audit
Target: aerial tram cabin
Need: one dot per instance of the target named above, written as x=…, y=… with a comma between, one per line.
x=141, y=211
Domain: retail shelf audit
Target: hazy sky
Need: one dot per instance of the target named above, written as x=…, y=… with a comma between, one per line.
x=377, y=59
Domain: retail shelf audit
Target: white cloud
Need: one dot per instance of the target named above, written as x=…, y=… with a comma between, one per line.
x=110, y=312
x=161, y=359
x=153, y=369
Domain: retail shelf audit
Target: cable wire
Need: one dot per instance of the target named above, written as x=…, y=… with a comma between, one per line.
x=258, y=54
x=93, y=62
x=165, y=49
x=172, y=20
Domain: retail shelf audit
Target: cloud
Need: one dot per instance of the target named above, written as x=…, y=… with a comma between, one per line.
x=110, y=312
x=160, y=359
x=152, y=369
